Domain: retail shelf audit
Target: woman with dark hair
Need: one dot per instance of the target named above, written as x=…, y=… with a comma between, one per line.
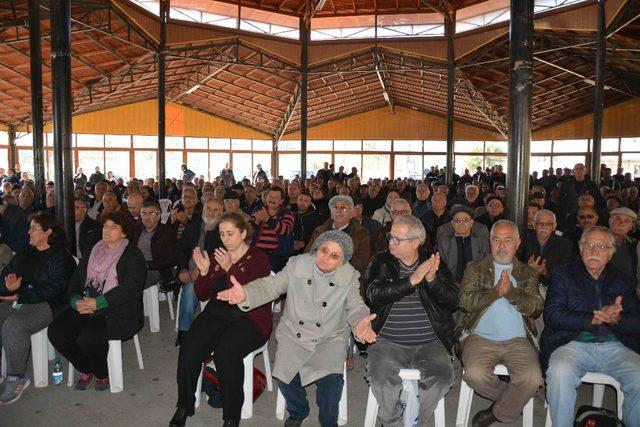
x=32, y=294
x=106, y=302
x=221, y=329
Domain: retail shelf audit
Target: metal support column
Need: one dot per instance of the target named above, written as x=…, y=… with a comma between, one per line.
x=305, y=25
x=162, y=92
x=12, y=147
x=274, y=158
x=520, y=87
x=62, y=107
x=36, y=101
x=450, y=29
x=598, y=94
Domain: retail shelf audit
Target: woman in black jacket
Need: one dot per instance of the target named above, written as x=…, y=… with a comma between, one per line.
x=33, y=293
x=106, y=302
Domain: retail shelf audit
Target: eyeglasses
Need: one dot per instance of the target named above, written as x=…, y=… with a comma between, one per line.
x=463, y=219
x=586, y=216
x=591, y=245
x=335, y=256
x=401, y=212
x=494, y=205
x=149, y=213
x=397, y=240
x=341, y=208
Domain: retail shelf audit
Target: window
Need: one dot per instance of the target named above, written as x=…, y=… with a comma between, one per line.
x=118, y=163
x=469, y=146
x=242, y=166
x=175, y=142
x=495, y=146
x=609, y=145
x=289, y=146
x=407, y=146
x=24, y=139
x=376, y=145
x=435, y=146
x=315, y=162
x=317, y=145
x=288, y=165
x=631, y=163
x=4, y=138
x=630, y=144
x=4, y=158
x=196, y=143
x=144, y=141
x=264, y=160
x=241, y=144
x=84, y=140
x=347, y=145
x=611, y=162
x=146, y=162
x=49, y=170
x=570, y=146
x=407, y=166
x=262, y=145
x=434, y=160
x=539, y=163
x=117, y=141
x=88, y=160
x=172, y=163
x=567, y=161
x=348, y=161
x=199, y=163
x=463, y=162
x=25, y=158
x=219, y=143
x=217, y=162
x=491, y=161
x=540, y=146
x=375, y=166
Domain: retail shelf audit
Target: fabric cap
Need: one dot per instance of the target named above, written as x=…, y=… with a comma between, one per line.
x=624, y=211
x=231, y=195
x=462, y=208
x=340, y=237
x=237, y=187
x=340, y=198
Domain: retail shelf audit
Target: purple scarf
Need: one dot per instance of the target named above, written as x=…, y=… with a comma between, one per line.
x=101, y=271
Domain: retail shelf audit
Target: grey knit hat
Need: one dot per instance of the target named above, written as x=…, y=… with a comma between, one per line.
x=340, y=198
x=340, y=237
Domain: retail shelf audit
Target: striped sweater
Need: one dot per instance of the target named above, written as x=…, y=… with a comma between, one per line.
x=268, y=233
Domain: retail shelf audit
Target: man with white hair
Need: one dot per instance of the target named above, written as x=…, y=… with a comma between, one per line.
x=544, y=250
x=413, y=296
x=625, y=258
x=592, y=319
x=499, y=302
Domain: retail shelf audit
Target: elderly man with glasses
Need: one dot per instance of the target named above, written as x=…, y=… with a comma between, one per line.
x=413, y=295
x=499, y=302
x=592, y=319
x=625, y=258
x=466, y=243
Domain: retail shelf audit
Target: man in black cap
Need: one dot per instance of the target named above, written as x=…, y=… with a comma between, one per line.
x=232, y=204
x=465, y=244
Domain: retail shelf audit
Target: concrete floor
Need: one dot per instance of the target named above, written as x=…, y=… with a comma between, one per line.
x=149, y=395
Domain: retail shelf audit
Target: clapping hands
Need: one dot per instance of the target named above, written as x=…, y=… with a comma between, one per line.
x=609, y=314
x=426, y=271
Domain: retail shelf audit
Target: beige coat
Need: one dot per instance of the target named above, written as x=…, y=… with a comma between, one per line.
x=313, y=332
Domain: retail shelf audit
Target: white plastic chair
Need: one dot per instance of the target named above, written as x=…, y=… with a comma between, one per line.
x=371, y=413
x=165, y=208
x=114, y=362
x=599, y=381
x=39, y=354
x=342, y=409
x=466, y=396
x=169, y=297
x=247, y=384
x=151, y=304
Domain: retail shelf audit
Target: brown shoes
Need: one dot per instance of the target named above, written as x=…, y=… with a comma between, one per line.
x=484, y=418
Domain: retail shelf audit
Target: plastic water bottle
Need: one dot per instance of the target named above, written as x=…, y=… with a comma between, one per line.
x=409, y=398
x=57, y=371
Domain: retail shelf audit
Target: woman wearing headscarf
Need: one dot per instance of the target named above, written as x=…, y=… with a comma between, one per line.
x=33, y=290
x=105, y=302
x=323, y=307
x=222, y=329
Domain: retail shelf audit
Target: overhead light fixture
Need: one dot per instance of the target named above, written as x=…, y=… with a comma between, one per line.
x=193, y=89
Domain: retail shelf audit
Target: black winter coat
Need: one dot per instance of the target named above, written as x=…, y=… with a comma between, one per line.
x=383, y=287
x=189, y=240
x=124, y=303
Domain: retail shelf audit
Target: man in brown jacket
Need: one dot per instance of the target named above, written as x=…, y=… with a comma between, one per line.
x=499, y=302
x=342, y=218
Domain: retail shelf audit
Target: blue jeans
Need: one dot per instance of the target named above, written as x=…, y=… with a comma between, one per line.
x=569, y=363
x=188, y=304
x=328, y=393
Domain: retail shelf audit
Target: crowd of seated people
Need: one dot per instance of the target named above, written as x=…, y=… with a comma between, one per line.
x=417, y=271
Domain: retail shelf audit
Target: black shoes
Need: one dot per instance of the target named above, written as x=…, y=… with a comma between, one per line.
x=180, y=417
x=484, y=418
x=290, y=422
x=179, y=338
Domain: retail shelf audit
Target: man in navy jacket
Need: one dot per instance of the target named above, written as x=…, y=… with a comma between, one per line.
x=592, y=324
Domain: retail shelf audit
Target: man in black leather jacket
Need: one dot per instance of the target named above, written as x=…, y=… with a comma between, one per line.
x=414, y=297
